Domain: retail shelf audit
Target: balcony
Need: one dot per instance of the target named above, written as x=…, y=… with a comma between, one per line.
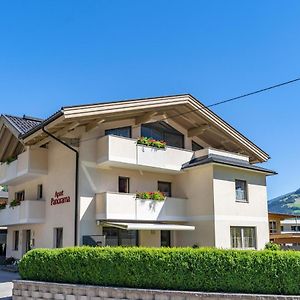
x=28, y=212
x=121, y=206
x=125, y=152
x=29, y=165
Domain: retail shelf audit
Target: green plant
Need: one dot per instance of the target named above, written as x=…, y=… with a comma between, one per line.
x=3, y=205
x=202, y=269
x=151, y=142
x=10, y=160
x=159, y=196
x=272, y=246
x=14, y=203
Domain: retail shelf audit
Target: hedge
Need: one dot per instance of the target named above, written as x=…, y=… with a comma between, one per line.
x=202, y=269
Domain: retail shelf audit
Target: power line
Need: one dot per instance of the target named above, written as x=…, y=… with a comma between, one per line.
x=231, y=99
x=253, y=93
x=228, y=100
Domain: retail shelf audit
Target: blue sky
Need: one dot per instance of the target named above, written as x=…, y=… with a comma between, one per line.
x=56, y=53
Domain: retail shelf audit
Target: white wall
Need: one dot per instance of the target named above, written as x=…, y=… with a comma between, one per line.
x=228, y=212
x=61, y=175
x=209, y=190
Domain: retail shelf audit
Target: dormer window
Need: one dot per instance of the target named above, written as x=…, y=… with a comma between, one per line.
x=163, y=131
x=121, y=131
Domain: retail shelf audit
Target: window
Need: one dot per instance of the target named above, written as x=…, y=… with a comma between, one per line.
x=165, y=238
x=120, y=237
x=241, y=191
x=58, y=237
x=20, y=196
x=40, y=191
x=163, y=131
x=165, y=187
x=27, y=235
x=16, y=240
x=196, y=146
x=295, y=228
x=243, y=237
x=122, y=131
x=123, y=184
x=273, y=226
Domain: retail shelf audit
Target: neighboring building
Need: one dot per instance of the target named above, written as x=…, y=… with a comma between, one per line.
x=215, y=194
x=285, y=230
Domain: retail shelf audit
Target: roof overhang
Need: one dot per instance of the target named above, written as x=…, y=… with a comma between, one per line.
x=281, y=216
x=11, y=145
x=187, y=111
x=147, y=226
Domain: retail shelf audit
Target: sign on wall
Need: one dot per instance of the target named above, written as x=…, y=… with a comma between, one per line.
x=59, y=198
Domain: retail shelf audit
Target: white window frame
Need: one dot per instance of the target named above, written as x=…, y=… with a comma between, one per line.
x=242, y=228
x=246, y=200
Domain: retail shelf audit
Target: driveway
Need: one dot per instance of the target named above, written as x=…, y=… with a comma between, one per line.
x=6, y=284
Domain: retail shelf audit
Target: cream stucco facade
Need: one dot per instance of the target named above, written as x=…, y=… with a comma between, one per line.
x=201, y=210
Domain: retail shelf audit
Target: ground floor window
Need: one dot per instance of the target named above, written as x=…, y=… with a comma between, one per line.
x=16, y=240
x=243, y=237
x=58, y=237
x=120, y=237
x=165, y=238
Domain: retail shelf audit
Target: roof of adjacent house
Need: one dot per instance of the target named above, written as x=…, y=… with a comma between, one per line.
x=22, y=124
x=213, y=158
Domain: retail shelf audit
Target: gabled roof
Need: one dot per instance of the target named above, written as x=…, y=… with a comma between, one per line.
x=22, y=124
x=186, y=110
x=11, y=129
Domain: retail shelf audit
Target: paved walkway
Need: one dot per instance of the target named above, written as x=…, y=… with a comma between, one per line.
x=6, y=284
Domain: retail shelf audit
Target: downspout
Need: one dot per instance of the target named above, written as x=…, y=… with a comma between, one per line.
x=76, y=181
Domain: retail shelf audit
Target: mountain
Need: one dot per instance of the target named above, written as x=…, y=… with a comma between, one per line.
x=286, y=204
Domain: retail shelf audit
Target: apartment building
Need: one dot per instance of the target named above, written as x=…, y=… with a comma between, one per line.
x=84, y=176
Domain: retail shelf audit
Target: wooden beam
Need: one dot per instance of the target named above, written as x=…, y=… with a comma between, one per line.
x=198, y=130
x=5, y=145
x=145, y=117
x=13, y=147
x=57, y=134
x=93, y=125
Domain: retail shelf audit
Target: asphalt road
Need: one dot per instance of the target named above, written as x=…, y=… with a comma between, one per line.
x=6, y=284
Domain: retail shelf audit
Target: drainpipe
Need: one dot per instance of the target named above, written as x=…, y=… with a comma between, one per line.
x=76, y=181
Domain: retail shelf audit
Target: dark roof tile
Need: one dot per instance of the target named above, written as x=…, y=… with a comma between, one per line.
x=23, y=124
x=213, y=158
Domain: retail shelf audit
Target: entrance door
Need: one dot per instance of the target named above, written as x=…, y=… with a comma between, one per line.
x=26, y=240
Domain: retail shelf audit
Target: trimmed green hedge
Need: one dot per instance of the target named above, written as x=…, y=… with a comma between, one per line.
x=203, y=269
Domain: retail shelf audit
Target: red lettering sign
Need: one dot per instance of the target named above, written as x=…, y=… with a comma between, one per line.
x=59, y=198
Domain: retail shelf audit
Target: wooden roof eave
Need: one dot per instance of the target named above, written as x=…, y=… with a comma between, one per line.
x=92, y=112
